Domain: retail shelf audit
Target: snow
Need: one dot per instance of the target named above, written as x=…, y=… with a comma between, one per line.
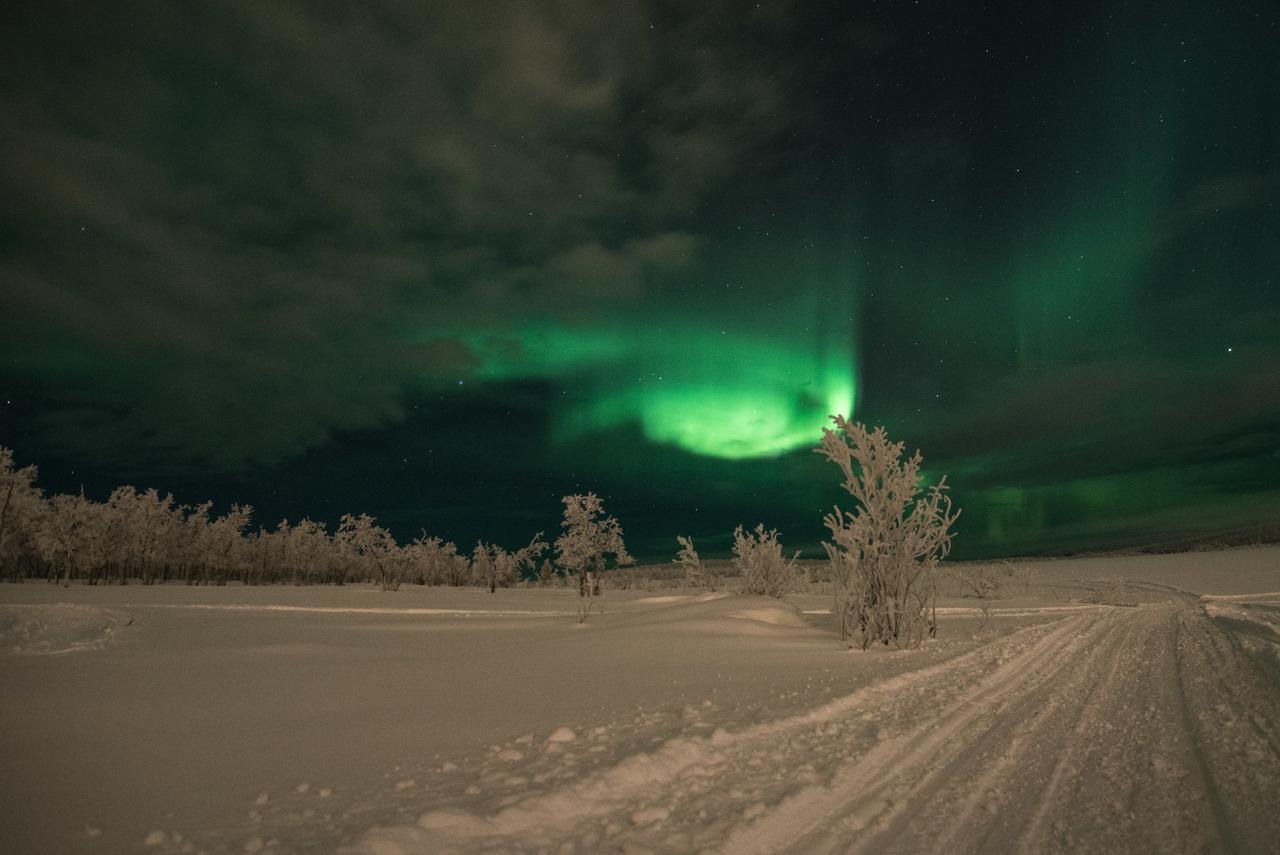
x=1261, y=616
x=51, y=629
x=667, y=599
x=773, y=614
x=445, y=720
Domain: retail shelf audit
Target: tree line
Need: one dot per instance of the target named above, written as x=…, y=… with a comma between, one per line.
x=882, y=556
x=144, y=536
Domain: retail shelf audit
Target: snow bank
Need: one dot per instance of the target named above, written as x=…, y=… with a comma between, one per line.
x=778, y=614
x=1242, y=598
x=58, y=628
x=1259, y=616
x=667, y=599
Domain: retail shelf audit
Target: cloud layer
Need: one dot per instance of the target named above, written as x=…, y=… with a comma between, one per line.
x=232, y=226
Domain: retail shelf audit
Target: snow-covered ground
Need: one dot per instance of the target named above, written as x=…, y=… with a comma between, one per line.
x=283, y=719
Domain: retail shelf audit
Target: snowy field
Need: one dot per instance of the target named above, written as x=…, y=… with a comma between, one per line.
x=429, y=720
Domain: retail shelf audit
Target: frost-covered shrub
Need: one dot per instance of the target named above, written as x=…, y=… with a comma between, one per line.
x=696, y=574
x=758, y=557
x=884, y=553
x=990, y=581
x=495, y=567
x=1110, y=592
x=647, y=577
x=546, y=572
x=1021, y=572
x=371, y=547
x=981, y=581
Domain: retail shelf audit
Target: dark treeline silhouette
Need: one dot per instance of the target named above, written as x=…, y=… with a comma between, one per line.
x=147, y=537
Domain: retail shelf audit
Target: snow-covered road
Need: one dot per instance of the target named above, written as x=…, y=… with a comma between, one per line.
x=1112, y=730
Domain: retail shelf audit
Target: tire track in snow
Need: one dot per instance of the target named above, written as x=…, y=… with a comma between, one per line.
x=1063, y=765
x=1096, y=733
x=1129, y=771
x=1217, y=809
x=1233, y=712
x=871, y=792
x=687, y=771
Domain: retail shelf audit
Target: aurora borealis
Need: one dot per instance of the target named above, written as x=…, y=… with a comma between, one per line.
x=445, y=263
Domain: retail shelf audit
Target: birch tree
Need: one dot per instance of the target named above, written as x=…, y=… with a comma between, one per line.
x=589, y=541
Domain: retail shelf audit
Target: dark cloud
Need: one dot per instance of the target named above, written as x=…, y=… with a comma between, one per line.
x=1102, y=417
x=241, y=217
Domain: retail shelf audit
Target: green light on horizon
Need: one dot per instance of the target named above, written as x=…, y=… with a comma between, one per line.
x=734, y=422
x=734, y=396
x=728, y=393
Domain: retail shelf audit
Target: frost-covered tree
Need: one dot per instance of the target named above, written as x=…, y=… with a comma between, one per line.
x=120, y=507
x=308, y=552
x=483, y=566
x=65, y=540
x=145, y=535
x=524, y=561
x=494, y=566
x=546, y=572
x=589, y=541
x=105, y=543
x=145, y=517
x=372, y=546
x=225, y=545
x=761, y=564
x=884, y=553
x=277, y=547
x=193, y=540
x=21, y=506
x=435, y=562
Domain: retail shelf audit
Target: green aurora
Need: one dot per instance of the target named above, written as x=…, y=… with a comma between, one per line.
x=734, y=394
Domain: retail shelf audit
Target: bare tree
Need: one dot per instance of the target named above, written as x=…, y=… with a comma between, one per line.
x=883, y=554
x=589, y=540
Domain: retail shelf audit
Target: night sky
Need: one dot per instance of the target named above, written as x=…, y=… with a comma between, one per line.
x=446, y=262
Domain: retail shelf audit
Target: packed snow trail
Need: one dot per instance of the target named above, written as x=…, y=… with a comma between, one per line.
x=1112, y=730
